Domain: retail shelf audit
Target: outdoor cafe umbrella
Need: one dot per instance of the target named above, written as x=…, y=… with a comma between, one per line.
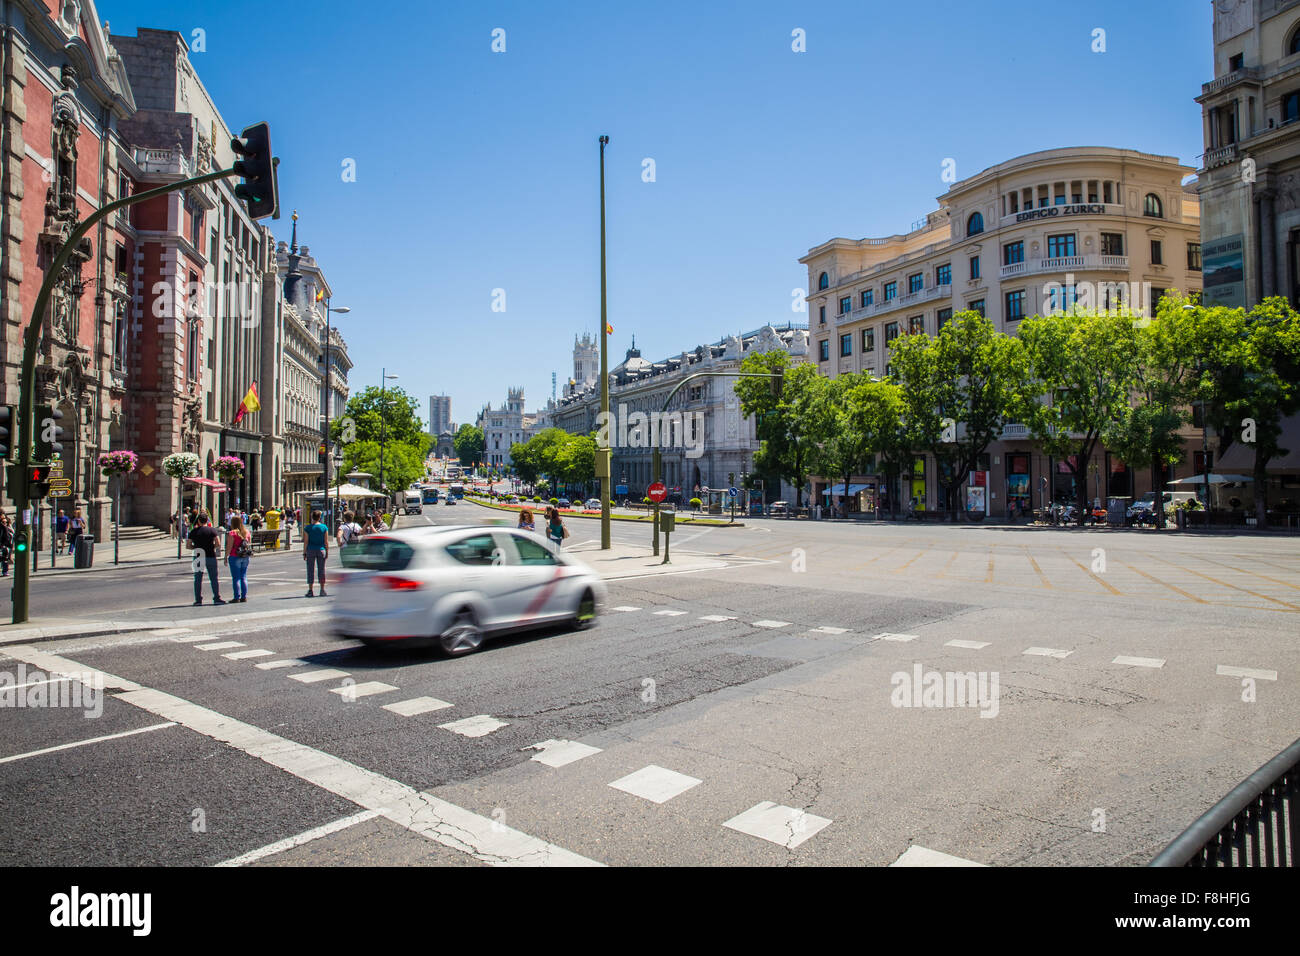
x=1212, y=478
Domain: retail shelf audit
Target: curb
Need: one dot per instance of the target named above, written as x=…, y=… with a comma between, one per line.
x=99, y=628
x=705, y=522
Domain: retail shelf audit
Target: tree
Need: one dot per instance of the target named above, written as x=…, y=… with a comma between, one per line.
x=834, y=426
x=786, y=419
x=403, y=463
x=957, y=387
x=1084, y=365
x=470, y=445
x=371, y=416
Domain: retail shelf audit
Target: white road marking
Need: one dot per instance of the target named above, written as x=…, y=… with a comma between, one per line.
x=829, y=630
x=557, y=753
x=84, y=743
x=894, y=637
x=656, y=784
x=1047, y=652
x=920, y=856
x=353, y=691
x=670, y=613
x=480, y=725
x=36, y=683
x=417, y=705
x=970, y=645
x=1140, y=661
x=771, y=624
x=245, y=655
x=784, y=826
x=280, y=846
x=275, y=665
x=219, y=646
x=172, y=631
x=1226, y=670
x=192, y=639
x=717, y=617
x=485, y=839
x=312, y=677
x=624, y=607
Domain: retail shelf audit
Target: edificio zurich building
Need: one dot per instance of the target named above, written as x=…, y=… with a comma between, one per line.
x=1094, y=225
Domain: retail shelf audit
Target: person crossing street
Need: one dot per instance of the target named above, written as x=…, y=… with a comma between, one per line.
x=204, y=538
x=316, y=548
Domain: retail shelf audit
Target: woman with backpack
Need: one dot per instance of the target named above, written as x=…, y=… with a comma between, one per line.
x=76, y=528
x=239, y=548
x=555, y=529
x=349, y=532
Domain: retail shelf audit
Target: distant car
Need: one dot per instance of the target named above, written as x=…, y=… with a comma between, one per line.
x=564, y=503
x=455, y=587
x=593, y=504
x=779, y=508
x=449, y=500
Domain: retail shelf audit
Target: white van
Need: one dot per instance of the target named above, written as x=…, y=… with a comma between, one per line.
x=411, y=503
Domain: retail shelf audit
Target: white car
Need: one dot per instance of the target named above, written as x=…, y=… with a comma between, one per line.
x=449, y=500
x=457, y=586
x=593, y=504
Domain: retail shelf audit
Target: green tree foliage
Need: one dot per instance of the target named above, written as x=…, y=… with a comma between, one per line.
x=470, y=445
x=403, y=464
x=389, y=417
x=789, y=422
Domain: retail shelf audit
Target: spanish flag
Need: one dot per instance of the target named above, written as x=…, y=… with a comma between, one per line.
x=609, y=329
x=249, y=404
x=320, y=294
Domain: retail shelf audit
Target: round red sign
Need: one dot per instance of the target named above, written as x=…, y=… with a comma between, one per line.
x=657, y=492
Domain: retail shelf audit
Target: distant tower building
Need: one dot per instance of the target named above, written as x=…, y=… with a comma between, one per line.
x=439, y=414
x=586, y=363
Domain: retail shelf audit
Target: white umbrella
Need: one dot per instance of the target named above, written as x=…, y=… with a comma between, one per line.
x=1213, y=478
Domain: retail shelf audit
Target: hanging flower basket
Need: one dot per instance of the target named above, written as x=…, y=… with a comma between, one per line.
x=229, y=467
x=183, y=464
x=118, y=462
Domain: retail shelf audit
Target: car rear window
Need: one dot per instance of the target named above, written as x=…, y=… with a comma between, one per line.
x=377, y=554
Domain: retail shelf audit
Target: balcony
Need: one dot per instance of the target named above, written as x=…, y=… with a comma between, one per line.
x=898, y=302
x=163, y=162
x=1230, y=79
x=1221, y=156
x=1065, y=264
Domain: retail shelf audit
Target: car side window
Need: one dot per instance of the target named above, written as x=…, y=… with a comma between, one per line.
x=477, y=550
x=533, y=552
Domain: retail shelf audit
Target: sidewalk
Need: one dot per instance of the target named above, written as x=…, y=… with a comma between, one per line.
x=132, y=553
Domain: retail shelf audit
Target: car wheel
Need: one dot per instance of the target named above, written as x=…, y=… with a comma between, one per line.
x=584, y=617
x=463, y=635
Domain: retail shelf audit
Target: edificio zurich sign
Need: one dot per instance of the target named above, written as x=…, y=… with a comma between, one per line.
x=1076, y=209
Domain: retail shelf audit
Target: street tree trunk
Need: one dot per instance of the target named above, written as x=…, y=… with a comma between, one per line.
x=1261, y=490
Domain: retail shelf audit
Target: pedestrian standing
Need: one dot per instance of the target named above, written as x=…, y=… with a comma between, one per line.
x=526, y=520
x=207, y=545
x=76, y=528
x=6, y=544
x=61, y=529
x=239, y=548
x=316, y=549
x=555, y=529
x=349, y=532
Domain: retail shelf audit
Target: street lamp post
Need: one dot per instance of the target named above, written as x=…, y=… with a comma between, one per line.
x=605, y=453
x=325, y=441
x=384, y=378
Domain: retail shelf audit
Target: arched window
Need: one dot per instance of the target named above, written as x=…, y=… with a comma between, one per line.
x=824, y=281
x=1294, y=45
x=1151, y=206
x=975, y=224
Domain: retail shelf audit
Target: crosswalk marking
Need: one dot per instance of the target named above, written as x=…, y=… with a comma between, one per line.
x=886, y=636
x=1227, y=670
x=830, y=630
x=656, y=784
x=312, y=677
x=417, y=705
x=244, y=655
x=784, y=826
x=353, y=691
x=625, y=607
x=970, y=645
x=275, y=665
x=771, y=624
x=1140, y=661
x=670, y=613
x=84, y=743
x=558, y=753
x=717, y=617
x=219, y=646
x=1047, y=652
x=480, y=725
x=279, y=846
x=920, y=856
x=192, y=638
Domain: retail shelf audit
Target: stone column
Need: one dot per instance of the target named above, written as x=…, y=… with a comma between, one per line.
x=1267, y=244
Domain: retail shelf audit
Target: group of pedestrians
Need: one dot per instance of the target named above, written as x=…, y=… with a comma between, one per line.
x=554, y=527
x=67, y=531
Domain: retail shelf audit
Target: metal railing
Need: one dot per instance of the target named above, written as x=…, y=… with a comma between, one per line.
x=1254, y=825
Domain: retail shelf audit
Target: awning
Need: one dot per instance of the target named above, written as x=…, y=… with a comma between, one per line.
x=839, y=492
x=209, y=483
x=1241, y=456
x=345, y=491
x=1213, y=478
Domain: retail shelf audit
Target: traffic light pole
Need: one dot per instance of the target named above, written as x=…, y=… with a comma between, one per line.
x=31, y=337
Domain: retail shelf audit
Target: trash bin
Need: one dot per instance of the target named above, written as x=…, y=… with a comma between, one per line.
x=84, y=555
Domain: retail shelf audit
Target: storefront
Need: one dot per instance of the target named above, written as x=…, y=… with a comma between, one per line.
x=244, y=489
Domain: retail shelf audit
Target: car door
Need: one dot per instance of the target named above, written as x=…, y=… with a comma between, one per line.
x=546, y=590
x=480, y=557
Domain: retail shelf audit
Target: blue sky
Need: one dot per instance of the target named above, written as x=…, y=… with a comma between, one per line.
x=477, y=171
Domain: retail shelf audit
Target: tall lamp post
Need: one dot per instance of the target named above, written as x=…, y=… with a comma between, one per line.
x=605, y=454
x=325, y=440
x=384, y=378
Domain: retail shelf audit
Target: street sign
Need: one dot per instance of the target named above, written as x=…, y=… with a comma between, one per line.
x=657, y=492
x=60, y=488
x=733, y=492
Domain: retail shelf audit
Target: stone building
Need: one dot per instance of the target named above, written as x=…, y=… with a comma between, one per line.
x=439, y=414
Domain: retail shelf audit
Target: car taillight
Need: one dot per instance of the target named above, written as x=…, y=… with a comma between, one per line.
x=391, y=582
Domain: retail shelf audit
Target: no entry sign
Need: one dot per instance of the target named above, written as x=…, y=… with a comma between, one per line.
x=657, y=492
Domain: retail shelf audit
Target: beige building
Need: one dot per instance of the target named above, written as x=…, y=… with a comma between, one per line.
x=1089, y=225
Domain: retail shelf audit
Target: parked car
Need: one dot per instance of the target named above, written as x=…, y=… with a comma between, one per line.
x=593, y=504
x=455, y=587
x=779, y=508
x=1142, y=511
x=564, y=503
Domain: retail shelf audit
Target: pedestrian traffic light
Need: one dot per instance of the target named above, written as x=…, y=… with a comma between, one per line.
x=6, y=431
x=258, y=190
x=38, y=482
x=49, y=434
x=20, y=542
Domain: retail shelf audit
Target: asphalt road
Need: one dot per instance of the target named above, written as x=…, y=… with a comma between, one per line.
x=756, y=710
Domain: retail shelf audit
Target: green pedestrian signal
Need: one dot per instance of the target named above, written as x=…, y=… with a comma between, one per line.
x=20, y=542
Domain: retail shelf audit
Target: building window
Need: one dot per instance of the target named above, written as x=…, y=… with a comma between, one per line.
x=821, y=314
x=1157, y=253
x=1060, y=298
x=868, y=296
x=1015, y=305
x=192, y=351
x=868, y=340
x=891, y=332
x=1112, y=243
x=1156, y=296
x=1105, y=191
x=943, y=275
x=1291, y=107
x=975, y=224
x=846, y=305
x=119, y=336
x=976, y=306
x=916, y=324
x=942, y=318
x=1294, y=46
x=1013, y=252
x=1060, y=247
x=1151, y=206
x=825, y=346
x=915, y=282
x=974, y=267
x=891, y=290
x=846, y=345
x=1014, y=204
x=824, y=281
x=1193, y=257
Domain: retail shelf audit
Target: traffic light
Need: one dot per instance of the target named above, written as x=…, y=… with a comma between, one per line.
x=49, y=434
x=38, y=482
x=778, y=382
x=20, y=542
x=6, y=431
x=258, y=190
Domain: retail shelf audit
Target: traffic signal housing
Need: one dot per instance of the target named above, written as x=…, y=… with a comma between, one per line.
x=49, y=433
x=38, y=482
x=777, y=381
x=258, y=190
x=7, y=420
